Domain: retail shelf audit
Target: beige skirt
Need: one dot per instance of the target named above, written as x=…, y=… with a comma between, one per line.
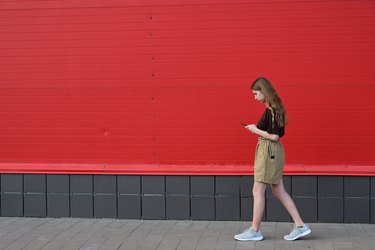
x=269, y=161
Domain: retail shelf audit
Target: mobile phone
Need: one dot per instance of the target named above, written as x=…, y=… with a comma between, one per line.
x=243, y=124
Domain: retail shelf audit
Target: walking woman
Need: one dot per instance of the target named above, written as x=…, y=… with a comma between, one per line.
x=269, y=162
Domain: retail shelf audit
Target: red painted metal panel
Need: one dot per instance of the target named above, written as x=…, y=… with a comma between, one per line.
x=179, y=169
x=136, y=87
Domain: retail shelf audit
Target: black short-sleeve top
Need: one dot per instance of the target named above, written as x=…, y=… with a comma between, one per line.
x=265, y=124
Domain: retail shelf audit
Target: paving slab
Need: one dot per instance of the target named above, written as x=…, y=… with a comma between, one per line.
x=113, y=234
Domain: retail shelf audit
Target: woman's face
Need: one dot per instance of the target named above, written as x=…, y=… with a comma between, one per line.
x=259, y=96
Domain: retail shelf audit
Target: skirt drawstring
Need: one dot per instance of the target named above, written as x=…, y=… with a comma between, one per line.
x=271, y=152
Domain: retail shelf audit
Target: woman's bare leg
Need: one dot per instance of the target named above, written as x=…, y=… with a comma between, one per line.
x=259, y=190
x=279, y=191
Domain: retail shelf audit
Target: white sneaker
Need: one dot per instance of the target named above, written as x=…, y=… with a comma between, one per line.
x=249, y=234
x=297, y=232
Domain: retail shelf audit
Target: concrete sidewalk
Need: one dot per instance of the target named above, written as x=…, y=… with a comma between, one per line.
x=107, y=234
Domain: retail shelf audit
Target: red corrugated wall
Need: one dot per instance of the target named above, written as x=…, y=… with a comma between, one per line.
x=162, y=86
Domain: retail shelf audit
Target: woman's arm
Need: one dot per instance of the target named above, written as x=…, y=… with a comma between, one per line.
x=253, y=128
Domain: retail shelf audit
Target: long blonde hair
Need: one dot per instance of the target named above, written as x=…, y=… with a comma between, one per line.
x=273, y=100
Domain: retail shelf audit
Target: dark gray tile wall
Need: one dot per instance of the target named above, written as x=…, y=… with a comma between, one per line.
x=331, y=199
x=246, y=208
x=35, y=199
x=177, y=197
x=227, y=198
x=372, y=210
x=12, y=195
x=129, y=206
x=11, y=183
x=275, y=210
x=203, y=185
x=202, y=201
x=12, y=205
x=318, y=198
x=153, y=197
x=81, y=206
x=58, y=200
x=304, y=193
x=35, y=205
x=105, y=196
x=227, y=207
x=357, y=199
x=202, y=207
x=178, y=207
x=81, y=196
x=129, y=197
x=246, y=195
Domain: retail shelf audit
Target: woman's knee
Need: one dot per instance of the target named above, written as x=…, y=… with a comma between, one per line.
x=259, y=189
x=275, y=192
x=258, y=193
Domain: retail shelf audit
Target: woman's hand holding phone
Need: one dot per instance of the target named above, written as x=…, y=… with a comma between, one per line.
x=251, y=127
